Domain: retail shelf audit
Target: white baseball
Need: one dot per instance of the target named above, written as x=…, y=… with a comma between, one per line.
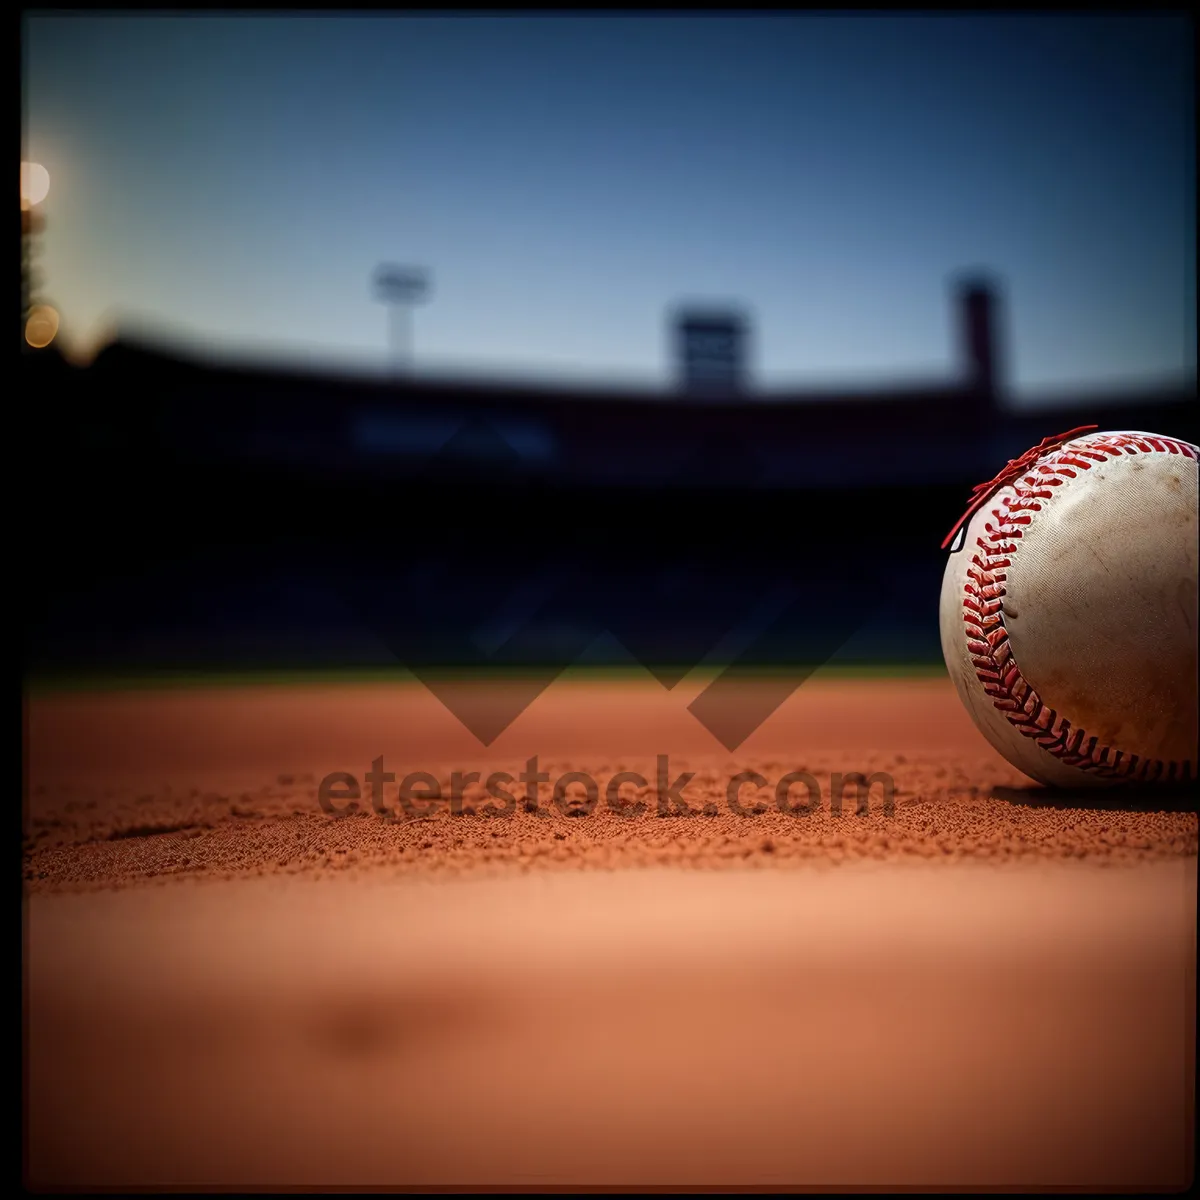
x=1068, y=611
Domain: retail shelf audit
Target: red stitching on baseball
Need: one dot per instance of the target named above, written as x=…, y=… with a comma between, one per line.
x=983, y=616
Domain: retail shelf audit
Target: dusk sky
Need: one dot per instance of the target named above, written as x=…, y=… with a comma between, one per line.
x=566, y=179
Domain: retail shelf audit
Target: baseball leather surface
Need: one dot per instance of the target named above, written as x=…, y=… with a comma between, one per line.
x=1068, y=611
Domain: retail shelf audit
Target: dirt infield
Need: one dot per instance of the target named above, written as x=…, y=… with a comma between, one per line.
x=140, y=786
x=229, y=985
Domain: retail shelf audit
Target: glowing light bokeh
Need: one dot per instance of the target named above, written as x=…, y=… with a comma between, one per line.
x=42, y=326
x=35, y=184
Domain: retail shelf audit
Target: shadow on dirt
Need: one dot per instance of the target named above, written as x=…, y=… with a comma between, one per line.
x=1174, y=798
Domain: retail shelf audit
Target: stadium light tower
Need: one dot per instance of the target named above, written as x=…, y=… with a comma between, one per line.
x=35, y=187
x=401, y=289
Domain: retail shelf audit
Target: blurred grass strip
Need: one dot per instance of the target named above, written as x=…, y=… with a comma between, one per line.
x=101, y=681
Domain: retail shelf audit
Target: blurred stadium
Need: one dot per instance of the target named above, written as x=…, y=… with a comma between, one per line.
x=224, y=514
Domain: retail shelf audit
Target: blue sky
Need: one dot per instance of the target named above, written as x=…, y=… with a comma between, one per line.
x=235, y=180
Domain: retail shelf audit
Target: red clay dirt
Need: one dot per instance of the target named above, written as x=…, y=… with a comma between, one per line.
x=227, y=986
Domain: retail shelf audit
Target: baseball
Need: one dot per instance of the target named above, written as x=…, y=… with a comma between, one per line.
x=1068, y=610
